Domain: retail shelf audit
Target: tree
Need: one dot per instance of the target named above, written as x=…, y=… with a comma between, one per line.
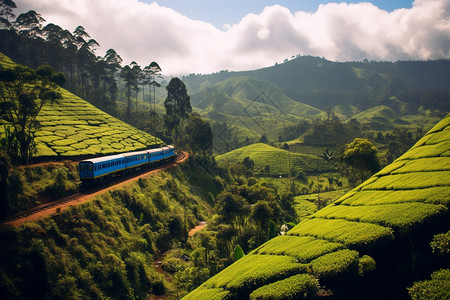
x=263, y=139
x=361, y=154
x=178, y=107
x=6, y=8
x=328, y=156
x=261, y=213
x=248, y=163
x=23, y=93
x=129, y=76
x=199, y=135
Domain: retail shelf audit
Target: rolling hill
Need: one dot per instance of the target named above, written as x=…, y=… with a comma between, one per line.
x=277, y=159
x=371, y=243
x=72, y=127
x=384, y=95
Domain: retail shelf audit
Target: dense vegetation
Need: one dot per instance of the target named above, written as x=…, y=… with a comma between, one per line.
x=104, y=248
x=373, y=242
x=72, y=127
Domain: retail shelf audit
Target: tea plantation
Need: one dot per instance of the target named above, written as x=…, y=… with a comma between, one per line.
x=263, y=154
x=371, y=243
x=72, y=127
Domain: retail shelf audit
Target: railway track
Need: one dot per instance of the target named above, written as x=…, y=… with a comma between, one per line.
x=181, y=156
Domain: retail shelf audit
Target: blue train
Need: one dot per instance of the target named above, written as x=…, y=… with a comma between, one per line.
x=97, y=169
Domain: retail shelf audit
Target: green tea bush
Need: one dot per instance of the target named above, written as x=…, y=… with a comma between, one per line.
x=208, y=293
x=437, y=288
x=332, y=265
x=409, y=181
x=400, y=216
x=351, y=234
x=435, y=195
x=295, y=287
x=304, y=248
x=253, y=271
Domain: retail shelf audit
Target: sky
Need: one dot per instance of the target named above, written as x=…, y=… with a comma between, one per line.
x=206, y=36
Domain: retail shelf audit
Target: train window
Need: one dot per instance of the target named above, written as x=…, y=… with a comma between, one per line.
x=103, y=166
x=90, y=167
x=81, y=167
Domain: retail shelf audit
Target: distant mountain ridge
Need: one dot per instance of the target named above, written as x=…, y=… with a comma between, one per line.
x=308, y=88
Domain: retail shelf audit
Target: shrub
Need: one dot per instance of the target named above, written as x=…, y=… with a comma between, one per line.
x=304, y=248
x=295, y=287
x=352, y=234
x=437, y=288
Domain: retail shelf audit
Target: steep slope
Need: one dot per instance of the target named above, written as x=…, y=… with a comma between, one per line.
x=386, y=224
x=73, y=127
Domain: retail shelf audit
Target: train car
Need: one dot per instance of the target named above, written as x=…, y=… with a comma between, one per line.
x=101, y=166
x=155, y=155
x=168, y=152
x=95, y=169
x=135, y=159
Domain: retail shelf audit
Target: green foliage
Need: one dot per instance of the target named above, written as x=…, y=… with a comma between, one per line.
x=253, y=271
x=434, y=195
x=208, y=293
x=332, y=265
x=238, y=253
x=295, y=287
x=262, y=154
x=399, y=216
x=351, y=234
x=304, y=248
x=100, y=249
x=366, y=265
x=436, y=288
x=441, y=244
x=73, y=127
x=362, y=155
x=23, y=94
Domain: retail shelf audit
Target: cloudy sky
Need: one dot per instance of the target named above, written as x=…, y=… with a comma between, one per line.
x=205, y=36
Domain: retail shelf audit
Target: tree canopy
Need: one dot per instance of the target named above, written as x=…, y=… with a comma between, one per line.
x=177, y=105
x=23, y=93
x=361, y=154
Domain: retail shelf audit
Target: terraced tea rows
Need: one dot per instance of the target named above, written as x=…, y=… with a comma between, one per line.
x=412, y=195
x=262, y=154
x=73, y=127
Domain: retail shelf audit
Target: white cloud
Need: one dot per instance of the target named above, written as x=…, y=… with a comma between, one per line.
x=150, y=32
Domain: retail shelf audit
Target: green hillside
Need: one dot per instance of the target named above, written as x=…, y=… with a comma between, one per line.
x=73, y=127
x=383, y=95
x=277, y=159
x=385, y=224
x=380, y=118
x=253, y=105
